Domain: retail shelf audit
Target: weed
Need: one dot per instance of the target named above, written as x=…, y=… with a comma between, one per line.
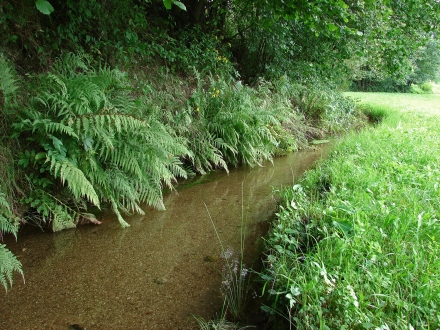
x=235, y=276
x=220, y=324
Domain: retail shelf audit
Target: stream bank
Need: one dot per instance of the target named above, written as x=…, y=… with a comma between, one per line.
x=158, y=272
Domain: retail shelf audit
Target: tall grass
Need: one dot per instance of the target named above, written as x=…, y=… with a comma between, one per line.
x=356, y=243
x=235, y=275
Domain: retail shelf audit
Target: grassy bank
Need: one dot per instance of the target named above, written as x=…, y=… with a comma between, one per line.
x=356, y=242
x=86, y=134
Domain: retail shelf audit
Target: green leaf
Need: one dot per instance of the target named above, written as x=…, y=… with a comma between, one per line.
x=331, y=27
x=180, y=5
x=44, y=7
x=343, y=5
x=345, y=226
x=167, y=4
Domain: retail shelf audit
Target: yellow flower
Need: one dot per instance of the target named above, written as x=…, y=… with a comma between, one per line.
x=198, y=109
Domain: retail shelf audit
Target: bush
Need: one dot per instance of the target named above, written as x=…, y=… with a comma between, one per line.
x=427, y=87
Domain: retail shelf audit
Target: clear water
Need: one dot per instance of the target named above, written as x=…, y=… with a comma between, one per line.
x=155, y=274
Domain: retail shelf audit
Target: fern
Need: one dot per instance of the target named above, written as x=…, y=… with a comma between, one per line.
x=8, y=265
x=97, y=140
x=8, y=262
x=236, y=119
x=8, y=83
x=8, y=221
x=77, y=181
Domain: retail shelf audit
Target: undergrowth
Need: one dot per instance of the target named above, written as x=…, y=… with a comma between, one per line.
x=9, y=220
x=356, y=242
x=87, y=136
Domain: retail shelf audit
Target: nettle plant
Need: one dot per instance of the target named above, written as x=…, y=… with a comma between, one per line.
x=90, y=140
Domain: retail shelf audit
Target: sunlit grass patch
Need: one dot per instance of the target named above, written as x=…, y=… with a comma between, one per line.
x=436, y=88
x=356, y=244
x=428, y=103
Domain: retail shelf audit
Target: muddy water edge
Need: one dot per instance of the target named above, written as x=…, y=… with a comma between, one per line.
x=158, y=272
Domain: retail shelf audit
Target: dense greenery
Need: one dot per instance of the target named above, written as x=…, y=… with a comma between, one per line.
x=356, y=242
x=105, y=102
x=98, y=137
x=327, y=39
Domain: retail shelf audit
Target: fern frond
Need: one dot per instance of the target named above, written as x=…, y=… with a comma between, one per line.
x=77, y=182
x=8, y=82
x=150, y=191
x=54, y=127
x=115, y=209
x=8, y=223
x=3, y=202
x=70, y=64
x=8, y=265
x=8, y=226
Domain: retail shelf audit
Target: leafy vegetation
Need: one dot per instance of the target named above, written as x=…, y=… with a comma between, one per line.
x=355, y=243
x=87, y=133
x=9, y=222
x=98, y=137
x=104, y=103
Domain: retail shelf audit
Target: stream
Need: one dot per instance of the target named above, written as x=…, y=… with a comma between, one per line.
x=156, y=273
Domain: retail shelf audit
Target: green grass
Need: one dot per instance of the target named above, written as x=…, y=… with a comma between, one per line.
x=436, y=88
x=356, y=245
x=427, y=103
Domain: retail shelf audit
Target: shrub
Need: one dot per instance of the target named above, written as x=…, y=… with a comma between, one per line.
x=427, y=87
x=415, y=89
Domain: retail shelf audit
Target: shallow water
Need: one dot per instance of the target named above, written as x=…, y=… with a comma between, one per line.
x=158, y=272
